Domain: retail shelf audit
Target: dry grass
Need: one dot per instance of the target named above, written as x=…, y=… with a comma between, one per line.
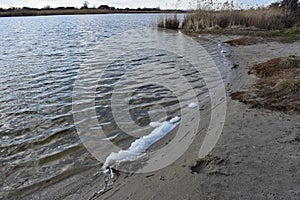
x=169, y=22
x=288, y=86
x=278, y=87
x=263, y=18
x=292, y=61
x=161, y=22
x=245, y=41
x=275, y=66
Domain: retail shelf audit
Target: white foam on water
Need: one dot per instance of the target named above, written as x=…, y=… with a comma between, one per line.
x=175, y=120
x=193, y=105
x=139, y=146
x=155, y=124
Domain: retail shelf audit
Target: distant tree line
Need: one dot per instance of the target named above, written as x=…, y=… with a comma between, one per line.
x=84, y=9
x=292, y=7
x=85, y=5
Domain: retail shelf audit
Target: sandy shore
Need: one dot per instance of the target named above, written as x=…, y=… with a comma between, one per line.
x=256, y=157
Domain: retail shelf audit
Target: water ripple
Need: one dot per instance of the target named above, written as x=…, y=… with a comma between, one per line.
x=39, y=61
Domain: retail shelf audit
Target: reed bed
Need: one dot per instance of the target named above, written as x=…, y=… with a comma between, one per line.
x=169, y=22
x=263, y=18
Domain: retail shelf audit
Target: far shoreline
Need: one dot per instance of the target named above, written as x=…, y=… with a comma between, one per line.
x=90, y=11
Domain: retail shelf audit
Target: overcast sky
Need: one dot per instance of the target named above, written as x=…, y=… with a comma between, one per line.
x=164, y=4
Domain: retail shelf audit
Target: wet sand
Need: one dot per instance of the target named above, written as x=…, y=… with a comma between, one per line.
x=256, y=157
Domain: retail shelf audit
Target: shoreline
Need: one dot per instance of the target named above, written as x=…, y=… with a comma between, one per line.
x=55, y=12
x=255, y=158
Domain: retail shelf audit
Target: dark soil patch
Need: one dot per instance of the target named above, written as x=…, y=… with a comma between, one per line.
x=246, y=41
x=278, y=87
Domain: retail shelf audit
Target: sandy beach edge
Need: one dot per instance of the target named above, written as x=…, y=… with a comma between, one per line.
x=256, y=157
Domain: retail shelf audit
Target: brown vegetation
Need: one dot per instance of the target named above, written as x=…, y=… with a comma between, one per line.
x=245, y=41
x=213, y=16
x=169, y=22
x=278, y=88
x=264, y=18
x=276, y=66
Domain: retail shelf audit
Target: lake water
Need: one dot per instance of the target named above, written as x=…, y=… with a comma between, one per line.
x=40, y=58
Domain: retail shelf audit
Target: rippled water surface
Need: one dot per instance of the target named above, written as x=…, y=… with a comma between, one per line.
x=39, y=60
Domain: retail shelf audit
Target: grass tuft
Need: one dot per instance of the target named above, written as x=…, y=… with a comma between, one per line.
x=292, y=61
x=295, y=31
x=288, y=85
